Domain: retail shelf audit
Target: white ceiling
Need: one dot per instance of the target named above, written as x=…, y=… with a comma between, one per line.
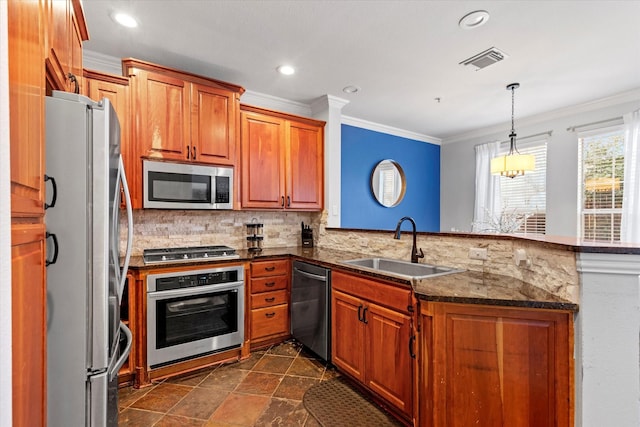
x=402, y=54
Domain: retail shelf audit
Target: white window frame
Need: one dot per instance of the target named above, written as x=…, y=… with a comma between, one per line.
x=602, y=132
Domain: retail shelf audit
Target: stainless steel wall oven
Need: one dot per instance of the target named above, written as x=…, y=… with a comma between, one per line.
x=194, y=313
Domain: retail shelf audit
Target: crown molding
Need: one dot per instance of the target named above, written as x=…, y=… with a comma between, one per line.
x=327, y=101
x=100, y=62
x=271, y=102
x=365, y=124
x=585, y=107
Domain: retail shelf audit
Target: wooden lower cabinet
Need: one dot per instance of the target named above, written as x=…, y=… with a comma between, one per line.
x=269, y=302
x=371, y=333
x=495, y=366
x=29, y=327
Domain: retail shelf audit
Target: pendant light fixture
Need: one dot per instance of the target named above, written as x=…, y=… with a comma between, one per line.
x=514, y=163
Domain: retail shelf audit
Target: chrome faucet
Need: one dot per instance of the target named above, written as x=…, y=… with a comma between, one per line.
x=414, y=250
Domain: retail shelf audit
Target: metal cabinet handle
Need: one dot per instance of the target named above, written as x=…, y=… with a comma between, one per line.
x=271, y=268
x=270, y=284
x=55, y=249
x=272, y=299
x=188, y=152
x=360, y=313
x=282, y=203
x=364, y=315
x=55, y=192
x=288, y=201
x=270, y=315
x=74, y=80
x=411, y=350
x=193, y=153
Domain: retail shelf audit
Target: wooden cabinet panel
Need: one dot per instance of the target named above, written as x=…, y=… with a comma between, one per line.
x=266, y=299
x=26, y=103
x=65, y=31
x=263, y=178
x=282, y=160
x=389, y=364
x=164, y=117
x=370, y=342
x=506, y=366
x=29, y=328
x=267, y=284
x=269, y=321
x=213, y=138
x=269, y=268
x=305, y=159
x=347, y=334
x=269, y=302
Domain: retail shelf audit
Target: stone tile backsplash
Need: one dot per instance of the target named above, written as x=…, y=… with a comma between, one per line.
x=552, y=269
x=155, y=228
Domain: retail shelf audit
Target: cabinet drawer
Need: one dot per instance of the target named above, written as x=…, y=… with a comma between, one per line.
x=269, y=268
x=378, y=292
x=269, y=321
x=267, y=299
x=269, y=284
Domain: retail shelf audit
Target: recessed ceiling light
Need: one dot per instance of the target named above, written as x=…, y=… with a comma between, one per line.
x=350, y=89
x=474, y=19
x=124, y=19
x=287, y=70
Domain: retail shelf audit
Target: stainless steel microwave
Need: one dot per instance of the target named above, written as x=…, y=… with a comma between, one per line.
x=186, y=186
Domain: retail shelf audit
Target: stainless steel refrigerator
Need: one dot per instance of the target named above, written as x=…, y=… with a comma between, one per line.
x=86, y=341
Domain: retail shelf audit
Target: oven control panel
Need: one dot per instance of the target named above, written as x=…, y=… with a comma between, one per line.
x=169, y=281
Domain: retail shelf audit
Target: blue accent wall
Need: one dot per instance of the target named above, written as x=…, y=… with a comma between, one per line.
x=362, y=149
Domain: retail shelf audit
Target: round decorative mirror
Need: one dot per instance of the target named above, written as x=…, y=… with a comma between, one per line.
x=388, y=183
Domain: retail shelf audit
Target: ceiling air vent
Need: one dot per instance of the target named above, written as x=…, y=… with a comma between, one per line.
x=486, y=58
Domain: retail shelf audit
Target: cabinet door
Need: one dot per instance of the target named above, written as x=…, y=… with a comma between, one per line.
x=389, y=365
x=75, y=51
x=58, y=43
x=162, y=129
x=348, y=334
x=29, y=328
x=213, y=121
x=26, y=107
x=504, y=366
x=305, y=163
x=263, y=184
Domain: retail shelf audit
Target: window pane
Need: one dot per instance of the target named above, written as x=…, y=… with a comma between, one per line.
x=524, y=198
x=601, y=183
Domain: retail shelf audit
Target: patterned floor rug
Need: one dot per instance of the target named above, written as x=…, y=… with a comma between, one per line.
x=334, y=403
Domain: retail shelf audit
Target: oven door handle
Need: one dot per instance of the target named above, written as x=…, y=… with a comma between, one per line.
x=195, y=290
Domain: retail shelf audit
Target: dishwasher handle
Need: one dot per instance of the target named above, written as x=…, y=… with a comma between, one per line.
x=310, y=275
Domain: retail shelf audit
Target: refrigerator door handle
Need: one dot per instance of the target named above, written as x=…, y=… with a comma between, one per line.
x=125, y=353
x=127, y=256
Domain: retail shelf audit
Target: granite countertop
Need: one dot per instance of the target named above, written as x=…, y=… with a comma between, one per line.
x=470, y=287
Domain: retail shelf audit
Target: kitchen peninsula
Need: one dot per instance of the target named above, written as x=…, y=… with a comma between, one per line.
x=595, y=282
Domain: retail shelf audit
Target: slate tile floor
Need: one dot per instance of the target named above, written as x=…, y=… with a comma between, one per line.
x=264, y=390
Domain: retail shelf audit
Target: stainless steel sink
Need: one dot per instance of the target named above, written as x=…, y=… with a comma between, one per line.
x=403, y=268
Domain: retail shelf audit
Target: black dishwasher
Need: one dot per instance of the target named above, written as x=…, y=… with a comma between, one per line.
x=310, y=308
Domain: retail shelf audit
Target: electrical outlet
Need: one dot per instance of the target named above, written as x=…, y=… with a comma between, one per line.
x=478, y=253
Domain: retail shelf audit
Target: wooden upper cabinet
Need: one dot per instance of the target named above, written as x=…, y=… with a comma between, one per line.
x=162, y=103
x=65, y=31
x=213, y=130
x=263, y=173
x=26, y=107
x=505, y=366
x=282, y=160
x=305, y=166
x=181, y=116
